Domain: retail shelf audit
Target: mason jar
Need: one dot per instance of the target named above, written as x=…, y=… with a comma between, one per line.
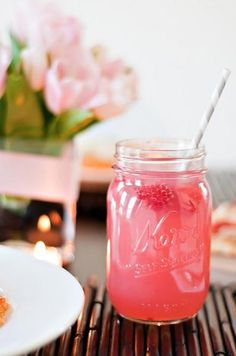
x=158, y=231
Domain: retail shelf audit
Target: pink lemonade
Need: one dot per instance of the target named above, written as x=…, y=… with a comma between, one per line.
x=158, y=229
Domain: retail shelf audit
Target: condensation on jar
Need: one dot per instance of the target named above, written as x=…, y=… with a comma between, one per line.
x=158, y=231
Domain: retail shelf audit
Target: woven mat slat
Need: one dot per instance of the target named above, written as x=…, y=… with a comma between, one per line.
x=114, y=348
x=204, y=334
x=213, y=325
x=153, y=341
x=139, y=340
x=191, y=332
x=92, y=342
x=179, y=342
x=77, y=346
x=106, y=328
x=49, y=350
x=126, y=338
x=166, y=341
x=226, y=329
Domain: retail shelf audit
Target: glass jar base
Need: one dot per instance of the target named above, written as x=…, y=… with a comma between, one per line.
x=158, y=322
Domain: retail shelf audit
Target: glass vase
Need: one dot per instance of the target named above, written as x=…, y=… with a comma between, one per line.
x=41, y=171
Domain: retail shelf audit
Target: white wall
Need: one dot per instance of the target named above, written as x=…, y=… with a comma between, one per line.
x=178, y=47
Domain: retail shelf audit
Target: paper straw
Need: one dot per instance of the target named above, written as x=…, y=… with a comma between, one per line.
x=210, y=110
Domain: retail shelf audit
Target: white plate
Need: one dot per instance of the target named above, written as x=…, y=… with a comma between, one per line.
x=45, y=301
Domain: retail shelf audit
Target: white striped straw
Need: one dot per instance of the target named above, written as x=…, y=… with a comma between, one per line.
x=210, y=110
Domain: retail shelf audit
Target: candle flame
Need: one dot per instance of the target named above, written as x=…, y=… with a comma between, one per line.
x=39, y=249
x=55, y=218
x=44, y=224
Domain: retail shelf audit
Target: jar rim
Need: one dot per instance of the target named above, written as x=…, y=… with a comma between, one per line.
x=158, y=149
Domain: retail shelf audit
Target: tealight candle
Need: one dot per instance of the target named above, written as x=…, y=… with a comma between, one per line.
x=44, y=232
x=45, y=253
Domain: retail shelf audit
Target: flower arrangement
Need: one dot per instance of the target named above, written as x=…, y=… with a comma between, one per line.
x=53, y=86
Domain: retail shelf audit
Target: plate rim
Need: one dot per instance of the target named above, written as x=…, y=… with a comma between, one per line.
x=55, y=332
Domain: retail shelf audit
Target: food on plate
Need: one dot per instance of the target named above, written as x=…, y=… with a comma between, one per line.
x=4, y=310
x=224, y=230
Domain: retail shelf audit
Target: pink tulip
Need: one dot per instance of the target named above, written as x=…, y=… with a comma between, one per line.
x=109, y=69
x=117, y=94
x=63, y=92
x=34, y=62
x=57, y=91
x=113, y=69
x=55, y=32
x=117, y=86
x=46, y=26
x=25, y=20
x=5, y=60
x=60, y=35
x=107, y=111
x=55, y=60
x=79, y=63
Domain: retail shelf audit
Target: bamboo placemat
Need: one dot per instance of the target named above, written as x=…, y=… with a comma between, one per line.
x=100, y=331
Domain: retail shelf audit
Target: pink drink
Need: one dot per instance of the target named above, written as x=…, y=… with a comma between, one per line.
x=158, y=229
